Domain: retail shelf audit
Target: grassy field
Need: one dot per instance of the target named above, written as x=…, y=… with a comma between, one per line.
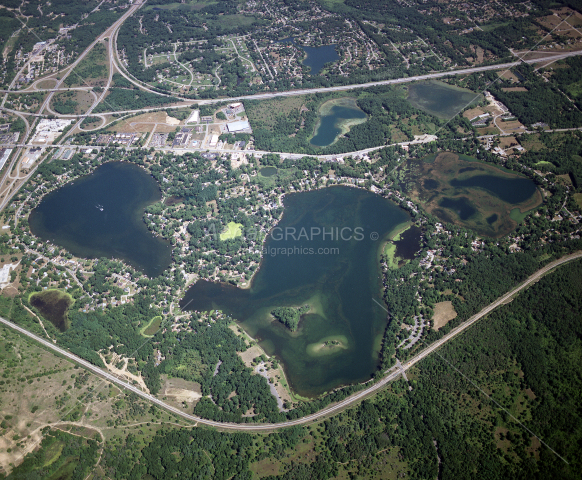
x=578, y=199
x=267, y=111
x=47, y=83
x=92, y=71
x=72, y=102
x=232, y=231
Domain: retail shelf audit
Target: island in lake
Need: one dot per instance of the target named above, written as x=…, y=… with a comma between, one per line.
x=336, y=276
x=290, y=316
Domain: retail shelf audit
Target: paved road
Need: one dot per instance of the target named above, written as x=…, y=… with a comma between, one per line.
x=290, y=93
x=107, y=33
x=331, y=409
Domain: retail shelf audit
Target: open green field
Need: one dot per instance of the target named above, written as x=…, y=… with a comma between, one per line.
x=475, y=195
x=266, y=112
x=543, y=163
x=232, y=231
x=74, y=102
x=578, y=199
x=92, y=71
x=47, y=83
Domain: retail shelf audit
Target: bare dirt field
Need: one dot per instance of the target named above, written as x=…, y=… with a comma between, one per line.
x=146, y=122
x=179, y=391
x=444, y=312
x=123, y=372
x=511, y=126
x=506, y=142
x=514, y=89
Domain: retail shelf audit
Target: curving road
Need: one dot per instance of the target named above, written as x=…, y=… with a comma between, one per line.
x=397, y=370
x=289, y=93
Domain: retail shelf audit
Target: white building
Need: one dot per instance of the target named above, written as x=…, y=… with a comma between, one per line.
x=238, y=126
x=194, y=117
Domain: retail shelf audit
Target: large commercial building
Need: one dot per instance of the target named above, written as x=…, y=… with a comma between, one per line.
x=239, y=126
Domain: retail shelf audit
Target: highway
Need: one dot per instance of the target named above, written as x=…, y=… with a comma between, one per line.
x=329, y=410
x=289, y=93
x=111, y=30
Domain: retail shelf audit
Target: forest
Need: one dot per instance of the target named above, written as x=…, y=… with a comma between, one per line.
x=542, y=102
x=476, y=408
x=120, y=99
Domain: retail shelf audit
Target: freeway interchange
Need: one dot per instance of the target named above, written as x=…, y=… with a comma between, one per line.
x=332, y=409
x=114, y=61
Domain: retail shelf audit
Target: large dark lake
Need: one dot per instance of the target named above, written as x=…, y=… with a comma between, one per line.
x=100, y=215
x=340, y=286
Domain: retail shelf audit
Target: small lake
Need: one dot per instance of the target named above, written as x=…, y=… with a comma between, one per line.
x=340, y=286
x=100, y=215
x=316, y=57
x=330, y=124
x=53, y=305
x=268, y=171
x=440, y=99
x=408, y=244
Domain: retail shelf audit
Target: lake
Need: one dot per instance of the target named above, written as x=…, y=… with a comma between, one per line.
x=459, y=189
x=339, y=285
x=100, y=215
x=316, y=57
x=331, y=123
x=440, y=99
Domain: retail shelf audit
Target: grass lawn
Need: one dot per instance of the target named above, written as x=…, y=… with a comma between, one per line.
x=232, y=231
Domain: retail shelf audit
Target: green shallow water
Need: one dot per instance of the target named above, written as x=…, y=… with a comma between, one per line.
x=329, y=128
x=100, y=215
x=340, y=287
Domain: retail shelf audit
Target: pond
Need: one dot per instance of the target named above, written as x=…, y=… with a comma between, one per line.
x=53, y=306
x=408, y=244
x=440, y=99
x=100, y=215
x=268, y=171
x=316, y=57
x=338, y=340
x=335, y=121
